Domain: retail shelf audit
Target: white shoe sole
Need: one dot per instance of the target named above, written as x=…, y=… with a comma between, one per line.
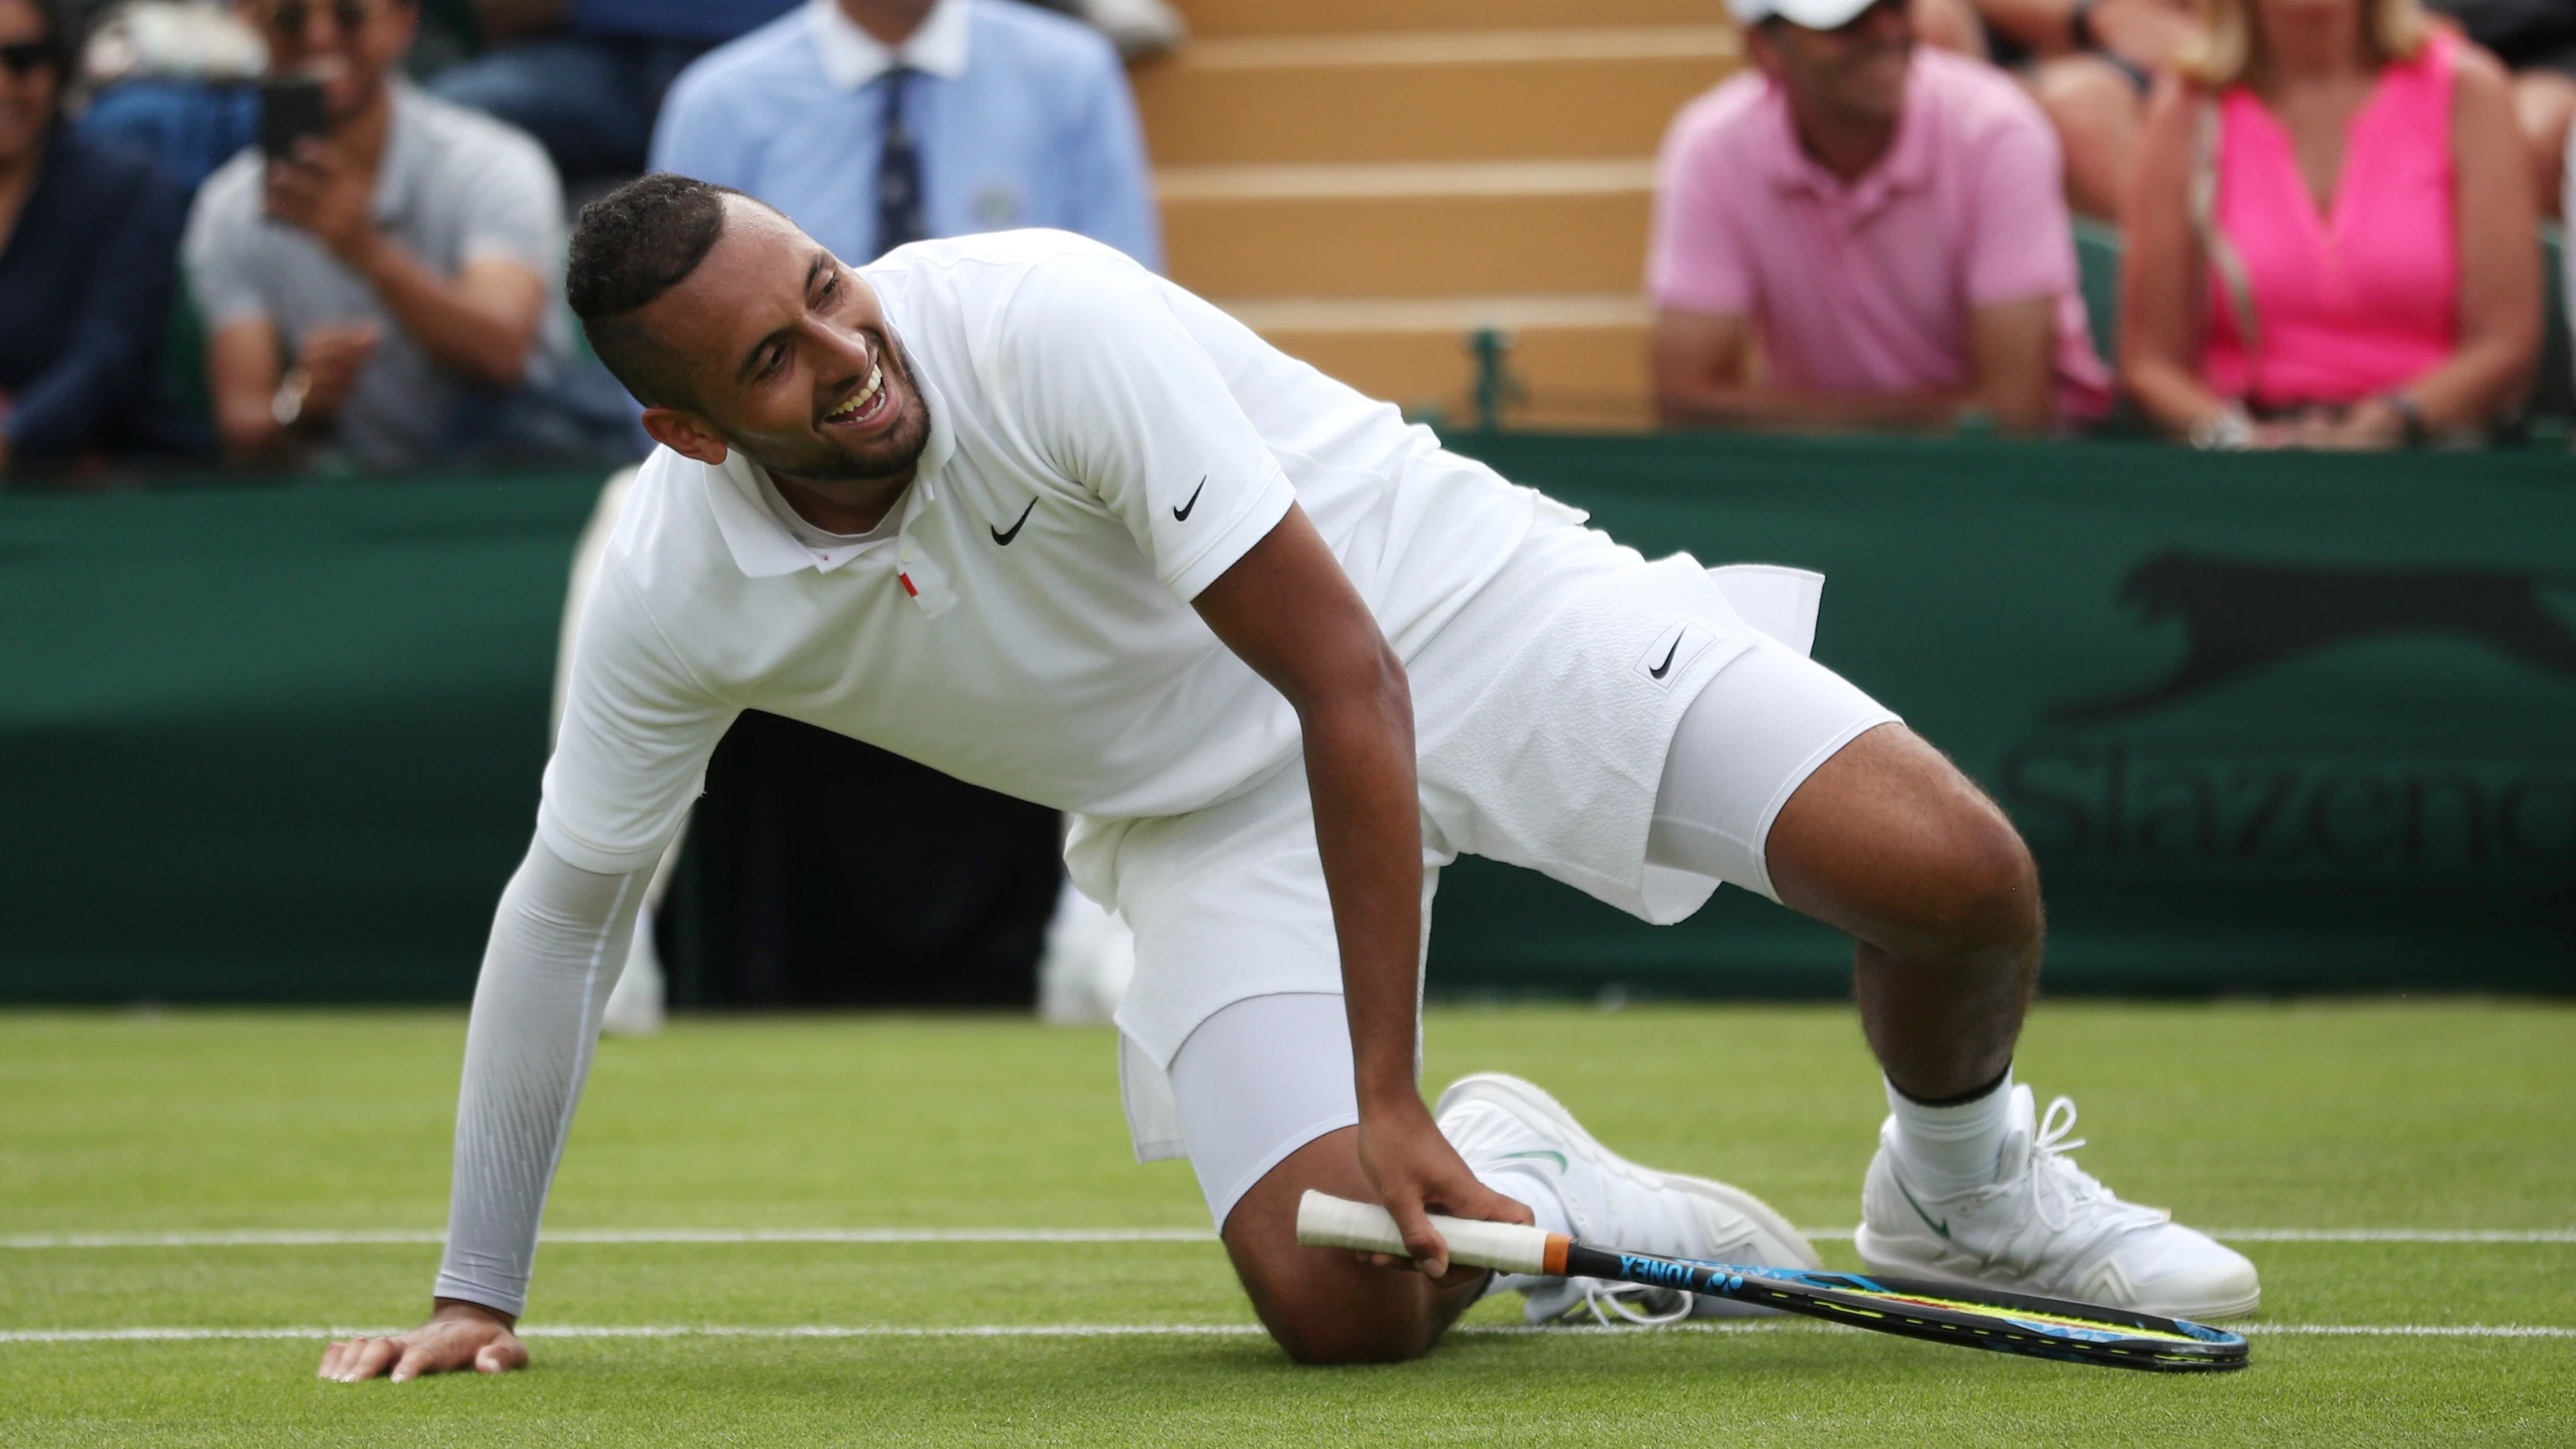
x=1529, y=1102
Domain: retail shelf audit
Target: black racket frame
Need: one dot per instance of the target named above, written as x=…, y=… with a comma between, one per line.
x=1848, y=1298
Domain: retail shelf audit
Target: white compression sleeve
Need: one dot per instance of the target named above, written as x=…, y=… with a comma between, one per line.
x=558, y=943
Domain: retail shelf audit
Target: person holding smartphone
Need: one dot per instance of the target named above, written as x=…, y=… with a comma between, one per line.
x=378, y=276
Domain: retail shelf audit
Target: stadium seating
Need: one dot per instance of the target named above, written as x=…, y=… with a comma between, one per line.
x=1369, y=181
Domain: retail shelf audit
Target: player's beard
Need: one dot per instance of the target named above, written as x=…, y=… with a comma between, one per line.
x=817, y=458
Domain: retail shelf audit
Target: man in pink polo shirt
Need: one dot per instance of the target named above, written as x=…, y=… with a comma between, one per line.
x=1886, y=220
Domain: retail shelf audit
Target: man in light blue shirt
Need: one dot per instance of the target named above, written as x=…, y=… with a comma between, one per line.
x=993, y=114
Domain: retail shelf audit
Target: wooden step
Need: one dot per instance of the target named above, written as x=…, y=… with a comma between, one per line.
x=1525, y=93
x=1210, y=18
x=1396, y=230
x=1580, y=360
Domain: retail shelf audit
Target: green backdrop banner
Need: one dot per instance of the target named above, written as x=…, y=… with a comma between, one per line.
x=273, y=743
x=2271, y=723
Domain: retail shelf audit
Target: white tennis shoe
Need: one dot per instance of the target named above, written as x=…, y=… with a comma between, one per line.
x=1493, y=1119
x=2045, y=1226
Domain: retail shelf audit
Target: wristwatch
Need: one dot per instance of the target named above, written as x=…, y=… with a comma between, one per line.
x=2413, y=414
x=287, y=405
x=2230, y=431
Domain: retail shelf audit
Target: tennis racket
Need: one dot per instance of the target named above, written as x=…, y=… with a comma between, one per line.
x=1909, y=1307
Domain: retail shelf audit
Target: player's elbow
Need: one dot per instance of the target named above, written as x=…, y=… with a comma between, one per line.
x=1364, y=681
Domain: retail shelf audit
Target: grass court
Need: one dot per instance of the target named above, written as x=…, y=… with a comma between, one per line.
x=739, y=1246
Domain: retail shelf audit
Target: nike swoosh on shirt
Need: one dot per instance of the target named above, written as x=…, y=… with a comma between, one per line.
x=1660, y=670
x=1004, y=539
x=1181, y=514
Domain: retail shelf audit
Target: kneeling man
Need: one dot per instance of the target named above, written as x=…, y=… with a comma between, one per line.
x=1014, y=507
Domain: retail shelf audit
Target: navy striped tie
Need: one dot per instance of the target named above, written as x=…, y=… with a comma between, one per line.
x=899, y=218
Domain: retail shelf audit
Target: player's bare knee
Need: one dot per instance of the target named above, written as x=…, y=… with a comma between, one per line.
x=1342, y=1314
x=1324, y=1340
x=1985, y=904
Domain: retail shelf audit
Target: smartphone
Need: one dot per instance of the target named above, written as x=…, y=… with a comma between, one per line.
x=290, y=109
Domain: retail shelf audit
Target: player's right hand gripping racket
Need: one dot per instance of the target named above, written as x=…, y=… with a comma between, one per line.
x=1913, y=1307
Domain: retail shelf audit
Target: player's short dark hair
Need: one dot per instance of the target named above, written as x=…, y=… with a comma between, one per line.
x=628, y=248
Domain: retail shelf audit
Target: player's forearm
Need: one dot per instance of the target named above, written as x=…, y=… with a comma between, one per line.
x=558, y=942
x=1368, y=827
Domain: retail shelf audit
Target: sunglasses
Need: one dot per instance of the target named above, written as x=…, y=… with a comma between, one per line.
x=288, y=20
x=25, y=57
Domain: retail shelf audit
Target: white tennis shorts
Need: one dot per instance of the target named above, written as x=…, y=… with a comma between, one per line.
x=1612, y=723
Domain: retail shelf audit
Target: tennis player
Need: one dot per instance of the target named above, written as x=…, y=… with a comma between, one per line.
x=1014, y=507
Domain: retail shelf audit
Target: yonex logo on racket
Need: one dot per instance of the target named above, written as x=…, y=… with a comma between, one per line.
x=1655, y=1270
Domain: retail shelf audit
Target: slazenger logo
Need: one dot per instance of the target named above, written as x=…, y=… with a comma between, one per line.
x=2242, y=618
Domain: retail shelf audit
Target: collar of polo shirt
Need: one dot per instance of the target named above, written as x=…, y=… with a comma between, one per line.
x=763, y=548
x=851, y=57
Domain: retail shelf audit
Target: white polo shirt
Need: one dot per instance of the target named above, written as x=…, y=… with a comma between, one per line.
x=1103, y=445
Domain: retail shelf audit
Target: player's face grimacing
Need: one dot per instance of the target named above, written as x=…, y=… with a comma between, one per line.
x=789, y=357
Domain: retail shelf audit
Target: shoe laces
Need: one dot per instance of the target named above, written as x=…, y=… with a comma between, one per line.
x=2060, y=1187
x=1632, y=1303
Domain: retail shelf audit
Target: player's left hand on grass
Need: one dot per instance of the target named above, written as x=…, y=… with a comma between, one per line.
x=1416, y=1173
x=458, y=1335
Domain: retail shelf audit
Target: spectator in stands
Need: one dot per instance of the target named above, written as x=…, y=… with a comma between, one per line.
x=177, y=80
x=390, y=288
x=86, y=237
x=586, y=77
x=878, y=122
x=2089, y=64
x=2330, y=234
x=1885, y=220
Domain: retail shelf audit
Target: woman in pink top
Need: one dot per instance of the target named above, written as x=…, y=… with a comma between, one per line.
x=2330, y=234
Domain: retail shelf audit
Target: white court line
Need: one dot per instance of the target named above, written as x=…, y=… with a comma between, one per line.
x=2395, y=1235
x=309, y=1238
x=324, y=1238
x=1142, y=1330
x=2325, y=1235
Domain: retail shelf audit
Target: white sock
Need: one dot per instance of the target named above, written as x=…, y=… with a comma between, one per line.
x=1951, y=1149
x=1531, y=1189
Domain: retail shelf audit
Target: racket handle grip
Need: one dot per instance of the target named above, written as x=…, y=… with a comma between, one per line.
x=1325, y=1221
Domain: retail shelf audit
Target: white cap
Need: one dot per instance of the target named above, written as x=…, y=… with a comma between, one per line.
x=1813, y=14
